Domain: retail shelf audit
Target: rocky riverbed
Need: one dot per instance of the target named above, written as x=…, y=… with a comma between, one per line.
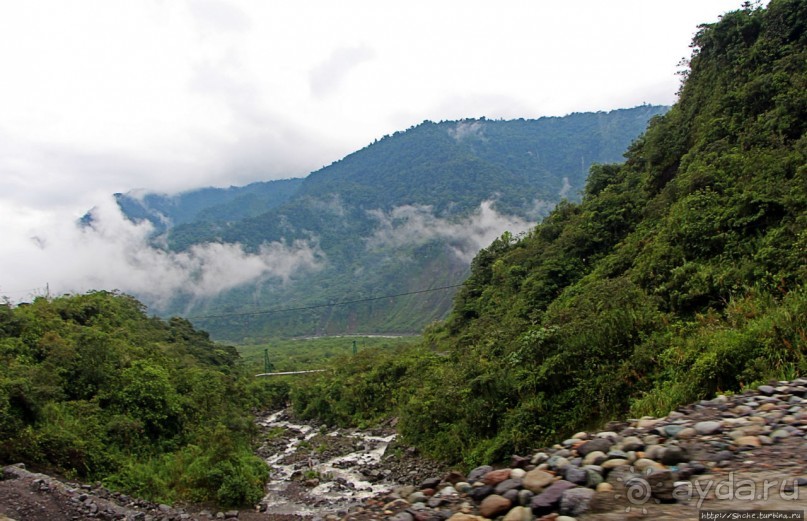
x=741, y=452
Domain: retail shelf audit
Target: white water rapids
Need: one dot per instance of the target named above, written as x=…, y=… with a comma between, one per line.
x=330, y=485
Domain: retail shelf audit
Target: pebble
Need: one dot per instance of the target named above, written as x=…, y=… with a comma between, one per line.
x=706, y=428
x=494, y=505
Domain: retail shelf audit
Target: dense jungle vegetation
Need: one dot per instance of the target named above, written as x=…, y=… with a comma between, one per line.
x=680, y=274
x=94, y=389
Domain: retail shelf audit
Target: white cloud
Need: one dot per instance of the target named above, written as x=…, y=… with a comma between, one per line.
x=100, y=97
x=414, y=225
x=114, y=253
x=328, y=76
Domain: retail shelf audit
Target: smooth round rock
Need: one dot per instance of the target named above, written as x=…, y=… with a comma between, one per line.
x=706, y=428
x=536, y=480
x=494, y=505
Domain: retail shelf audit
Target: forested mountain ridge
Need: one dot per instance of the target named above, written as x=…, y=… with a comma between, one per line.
x=403, y=214
x=681, y=272
x=206, y=204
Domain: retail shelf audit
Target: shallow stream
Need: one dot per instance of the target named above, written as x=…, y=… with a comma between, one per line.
x=316, y=471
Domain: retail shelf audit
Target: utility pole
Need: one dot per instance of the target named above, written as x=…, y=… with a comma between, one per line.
x=268, y=366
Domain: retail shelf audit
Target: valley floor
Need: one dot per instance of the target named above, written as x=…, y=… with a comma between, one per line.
x=743, y=453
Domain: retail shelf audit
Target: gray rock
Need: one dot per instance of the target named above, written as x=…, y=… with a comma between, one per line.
x=593, y=478
x=575, y=501
x=779, y=434
x=511, y=495
x=632, y=443
x=706, y=428
x=662, y=484
x=429, y=483
x=477, y=473
x=723, y=455
x=557, y=462
x=674, y=455
x=402, y=516
x=524, y=497
x=547, y=501
x=767, y=390
x=671, y=431
x=575, y=475
x=480, y=493
x=508, y=484
x=598, y=444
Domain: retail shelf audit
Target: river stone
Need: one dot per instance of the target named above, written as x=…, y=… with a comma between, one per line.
x=417, y=497
x=723, y=455
x=547, y=501
x=594, y=458
x=632, y=443
x=687, y=433
x=536, y=480
x=494, y=505
x=402, y=516
x=448, y=491
x=598, y=444
x=511, y=495
x=581, y=436
x=706, y=428
x=524, y=497
x=652, y=439
x=575, y=475
x=671, y=431
x=779, y=434
x=463, y=487
x=767, y=390
x=477, y=473
x=557, y=462
x=748, y=441
x=517, y=473
x=765, y=440
x=643, y=464
x=662, y=484
x=614, y=463
x=494, y=477
x=575, y=501
x=655, y=452
x=593, y=478
x=647, y=423
x=539, y=457
x=480, y=493
x=674, y=455
x=429, y=483
x=519, y=514
x=507, y=484
x=459, y=516
x=605, y=487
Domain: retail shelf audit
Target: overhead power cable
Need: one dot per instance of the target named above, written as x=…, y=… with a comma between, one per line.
x=319, y=306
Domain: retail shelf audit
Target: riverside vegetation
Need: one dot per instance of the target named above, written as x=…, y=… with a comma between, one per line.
x=680, y=274
x=92, y=388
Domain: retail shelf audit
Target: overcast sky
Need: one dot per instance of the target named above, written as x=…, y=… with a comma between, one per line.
x=106, y=96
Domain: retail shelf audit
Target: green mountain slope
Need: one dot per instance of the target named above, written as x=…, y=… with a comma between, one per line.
x=680, y=274
x=404, y=214
x=207, y=204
